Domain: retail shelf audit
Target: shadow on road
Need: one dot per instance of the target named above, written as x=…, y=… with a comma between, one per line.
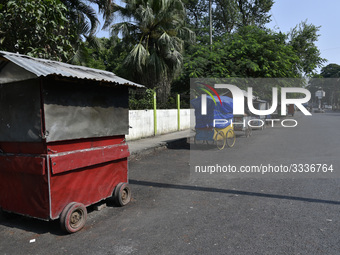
x=234, y=192
x=30, y=224
x=41, y=227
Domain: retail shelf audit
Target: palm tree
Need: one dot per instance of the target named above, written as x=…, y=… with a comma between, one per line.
x=81, y=11
x=83, y=18
x=156, y=29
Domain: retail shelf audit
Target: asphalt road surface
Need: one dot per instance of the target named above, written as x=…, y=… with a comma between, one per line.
x=177, y=211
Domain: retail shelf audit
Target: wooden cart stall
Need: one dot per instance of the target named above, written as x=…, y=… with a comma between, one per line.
x=62, y=139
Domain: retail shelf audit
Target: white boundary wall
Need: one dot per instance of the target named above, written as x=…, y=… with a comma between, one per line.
x=142, y=122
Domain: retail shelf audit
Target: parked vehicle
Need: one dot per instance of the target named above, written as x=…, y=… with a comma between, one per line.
x=214, y=127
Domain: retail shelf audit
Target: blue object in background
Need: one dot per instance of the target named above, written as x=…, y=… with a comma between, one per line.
x=214, y=111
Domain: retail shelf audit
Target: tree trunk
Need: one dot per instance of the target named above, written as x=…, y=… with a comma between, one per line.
x=163, y=89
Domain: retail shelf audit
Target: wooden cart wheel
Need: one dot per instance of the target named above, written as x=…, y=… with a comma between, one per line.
x=231, y=138
x=73, y=217
x=122, y=194
x=220, y=140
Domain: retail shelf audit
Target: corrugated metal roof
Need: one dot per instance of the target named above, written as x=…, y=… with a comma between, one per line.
x=43, y=67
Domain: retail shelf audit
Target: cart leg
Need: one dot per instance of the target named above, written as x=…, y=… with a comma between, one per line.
x=73, y=217
x=122, y=194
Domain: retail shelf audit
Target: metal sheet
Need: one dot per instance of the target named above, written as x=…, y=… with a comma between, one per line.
x=20, y=119
x=10, y=72
x=43, y=68
x=74, y=111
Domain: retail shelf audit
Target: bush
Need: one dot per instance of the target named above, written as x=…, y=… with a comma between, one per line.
x=141, y=101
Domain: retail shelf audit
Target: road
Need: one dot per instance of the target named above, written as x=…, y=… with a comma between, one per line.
x=177, y=211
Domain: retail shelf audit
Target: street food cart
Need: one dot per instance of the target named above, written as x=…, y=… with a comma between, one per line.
x=62, y=139
x=215, y=126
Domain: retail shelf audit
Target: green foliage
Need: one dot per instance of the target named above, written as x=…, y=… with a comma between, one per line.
x=156, y=29
x=331, y=71
x=197, y=16
x=302, y=39
x=82, y=13
x=37, y=28
x=254, y=12
x=227, y=15
x=331, y=85
x=109, y=56
x=250, y=52
x=53, y=29
x=142, y=100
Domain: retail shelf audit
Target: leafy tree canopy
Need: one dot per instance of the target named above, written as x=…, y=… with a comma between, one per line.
x=109, y=57
x=227, y=15
x=37, y=28
x=54, y=29
x=250, y=52
x=302, y=38
x=331, y=71
x=330, y=86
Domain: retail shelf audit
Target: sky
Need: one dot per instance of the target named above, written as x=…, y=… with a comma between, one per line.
x=286, y=14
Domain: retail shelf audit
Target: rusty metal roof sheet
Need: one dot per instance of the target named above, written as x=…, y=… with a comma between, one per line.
x=38, y=67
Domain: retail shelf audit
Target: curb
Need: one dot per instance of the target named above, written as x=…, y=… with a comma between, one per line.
x=170, y=144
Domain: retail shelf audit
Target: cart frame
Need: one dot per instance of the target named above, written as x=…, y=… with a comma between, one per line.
x=69, y=151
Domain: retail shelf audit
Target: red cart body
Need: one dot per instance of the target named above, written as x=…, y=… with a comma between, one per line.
x=40, y=184
x=62, y=135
